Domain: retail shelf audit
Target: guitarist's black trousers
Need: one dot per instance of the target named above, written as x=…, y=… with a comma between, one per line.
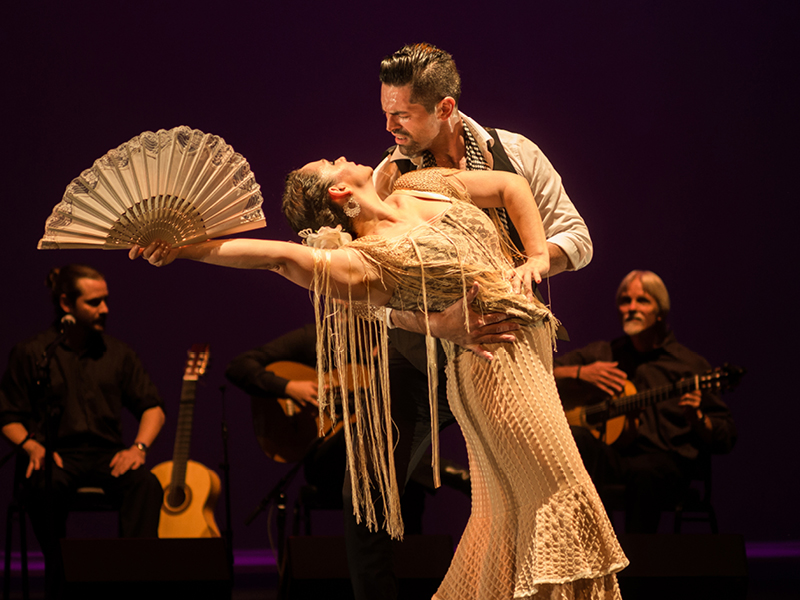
x=652, y=480
x=137, y=492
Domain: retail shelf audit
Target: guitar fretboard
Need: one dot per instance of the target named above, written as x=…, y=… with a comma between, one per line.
x=626, y=404
x=608, y=409
x=183, y=435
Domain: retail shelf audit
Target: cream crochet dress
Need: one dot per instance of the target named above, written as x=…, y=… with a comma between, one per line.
x=538, y=528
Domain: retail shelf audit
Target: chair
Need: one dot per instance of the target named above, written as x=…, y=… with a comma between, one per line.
x=86, y=499
x=692, y=504
x=696, y=498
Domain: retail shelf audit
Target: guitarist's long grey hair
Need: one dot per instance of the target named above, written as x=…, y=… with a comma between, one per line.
x=653, y=285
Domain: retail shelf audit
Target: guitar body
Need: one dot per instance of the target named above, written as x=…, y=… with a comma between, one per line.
x=608, y=417
x=606, y=430
x=284, y=429
x=193, y=516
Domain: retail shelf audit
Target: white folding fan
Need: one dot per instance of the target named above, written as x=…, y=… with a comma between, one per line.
x=181, y=186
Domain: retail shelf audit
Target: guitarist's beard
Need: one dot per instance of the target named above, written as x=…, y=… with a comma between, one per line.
x=633, y=326
x=644, y=331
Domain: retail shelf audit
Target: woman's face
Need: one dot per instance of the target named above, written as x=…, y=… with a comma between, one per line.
x=341, y=171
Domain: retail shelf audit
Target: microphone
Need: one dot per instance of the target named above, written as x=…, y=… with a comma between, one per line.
x=67, y=322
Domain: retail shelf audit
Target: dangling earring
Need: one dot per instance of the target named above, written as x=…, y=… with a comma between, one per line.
x=352, y=208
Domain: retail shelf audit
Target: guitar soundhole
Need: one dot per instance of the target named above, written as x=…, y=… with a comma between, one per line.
x=176, y=499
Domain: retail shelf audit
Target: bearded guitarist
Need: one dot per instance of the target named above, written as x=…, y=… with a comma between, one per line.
x=659, y=447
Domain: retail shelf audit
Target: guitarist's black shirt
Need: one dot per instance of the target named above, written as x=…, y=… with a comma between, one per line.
x=90, y=387
x=247, y=372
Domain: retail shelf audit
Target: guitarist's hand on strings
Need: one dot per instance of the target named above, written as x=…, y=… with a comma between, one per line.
x=305, y=393
x=691, y=404
x=604, y=375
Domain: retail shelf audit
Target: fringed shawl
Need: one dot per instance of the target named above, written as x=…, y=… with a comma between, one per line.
x=430, y=267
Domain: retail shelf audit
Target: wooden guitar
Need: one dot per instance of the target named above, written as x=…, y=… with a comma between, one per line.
x=285, y=429
x=190, y=489
x=606, y=418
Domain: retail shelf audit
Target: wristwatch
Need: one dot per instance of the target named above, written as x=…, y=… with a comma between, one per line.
x=141, y=446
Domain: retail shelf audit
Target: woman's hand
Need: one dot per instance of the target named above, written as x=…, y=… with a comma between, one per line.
x=158, y=253
x=531, y=271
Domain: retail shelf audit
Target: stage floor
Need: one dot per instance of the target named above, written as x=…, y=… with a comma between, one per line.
x=773, y=573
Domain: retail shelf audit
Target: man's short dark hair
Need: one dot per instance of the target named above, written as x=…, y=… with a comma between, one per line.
x=430, y=72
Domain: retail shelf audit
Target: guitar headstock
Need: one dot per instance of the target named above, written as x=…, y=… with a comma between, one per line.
x=722, y=379
x=196, y=362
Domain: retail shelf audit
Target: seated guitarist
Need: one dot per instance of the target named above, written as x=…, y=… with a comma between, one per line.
x=292, y=435
x=657, y=451
x=82, y=378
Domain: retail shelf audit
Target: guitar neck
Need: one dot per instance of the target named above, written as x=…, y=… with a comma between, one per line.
x=183, y=436
x=637, y=402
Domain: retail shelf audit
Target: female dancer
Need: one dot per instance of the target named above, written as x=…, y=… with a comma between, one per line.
x=537, y=528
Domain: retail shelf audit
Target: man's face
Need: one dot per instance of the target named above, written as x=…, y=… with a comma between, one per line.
x=637, y=309
x=414, y=129
x=90, y=309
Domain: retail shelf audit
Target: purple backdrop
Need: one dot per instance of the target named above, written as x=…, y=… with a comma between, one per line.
x=671, y=123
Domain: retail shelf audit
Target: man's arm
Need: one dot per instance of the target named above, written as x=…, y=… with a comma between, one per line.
x=567, y=234
x=713, y=421
x=17, y=434
x=603, y=374
x=132, y=458
x=489, y=328
x=559, y=261
x=15, y=406
x=248, y=370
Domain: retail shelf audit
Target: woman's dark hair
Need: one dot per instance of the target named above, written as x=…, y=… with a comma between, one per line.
x=307, y=205
x=64, y=280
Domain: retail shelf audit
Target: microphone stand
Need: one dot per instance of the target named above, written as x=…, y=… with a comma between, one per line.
x=52, y=419
x=279, y=492
x=225, y=467
x=53, y=410
x=42, y=386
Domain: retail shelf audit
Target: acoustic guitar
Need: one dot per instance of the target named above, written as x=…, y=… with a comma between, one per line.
x=605, y=417
x=190, y=489
x=284, y=429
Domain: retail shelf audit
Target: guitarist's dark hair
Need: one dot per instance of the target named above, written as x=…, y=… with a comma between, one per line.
x=64, y=280
x=653, y=285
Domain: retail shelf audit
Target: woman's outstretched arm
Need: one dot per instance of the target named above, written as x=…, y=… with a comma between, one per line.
x=349, y=275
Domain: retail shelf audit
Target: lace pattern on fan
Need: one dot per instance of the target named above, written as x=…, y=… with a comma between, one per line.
x=179, y=185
